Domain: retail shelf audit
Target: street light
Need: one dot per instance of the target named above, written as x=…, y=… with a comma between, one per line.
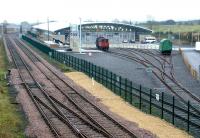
x=2, y=29
x=48, y=27
x=192, y=38
x=179, y=39
x=80, y=37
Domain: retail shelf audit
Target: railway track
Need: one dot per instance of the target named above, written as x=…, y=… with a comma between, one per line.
x=162, y=68
x=71, y=109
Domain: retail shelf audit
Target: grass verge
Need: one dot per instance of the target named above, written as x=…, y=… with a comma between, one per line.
x=11, y=124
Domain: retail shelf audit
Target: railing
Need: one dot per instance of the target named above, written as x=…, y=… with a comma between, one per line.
x=154, y=102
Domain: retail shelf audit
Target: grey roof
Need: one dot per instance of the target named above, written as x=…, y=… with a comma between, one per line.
x=58, y=26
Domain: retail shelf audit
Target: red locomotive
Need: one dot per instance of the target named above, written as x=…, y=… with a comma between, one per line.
x=102, y=43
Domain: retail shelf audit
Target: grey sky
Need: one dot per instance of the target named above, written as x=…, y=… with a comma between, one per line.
x=65, y=10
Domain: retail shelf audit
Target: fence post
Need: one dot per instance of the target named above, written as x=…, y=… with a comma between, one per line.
x=72, y=60
x=162, y=105
x=101, y=75
x=173, y=110
x=115, y=82
x=120, y=86
x=68, y=58
x=150, y=103
x=188, y=119
x=95, y=71
x=111, y=87
x=89, y=69
x=92, y=71
x=78, y=62
x=98, y=74
x=140, y=97
x=131, y=93
x=106, y=78
x=83, y=66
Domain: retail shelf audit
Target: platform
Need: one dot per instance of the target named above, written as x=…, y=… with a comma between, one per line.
x=192, y=60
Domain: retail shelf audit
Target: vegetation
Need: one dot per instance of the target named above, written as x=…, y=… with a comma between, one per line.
x=173, y=26
x=11, y=124
x=187, y=32
x=176, y=28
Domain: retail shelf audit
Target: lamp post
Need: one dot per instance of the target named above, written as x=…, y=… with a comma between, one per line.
x=168, y=34
x=80, y=37
x=192, y=38
x=179, y=39
x=2, y=29
x=48, y=27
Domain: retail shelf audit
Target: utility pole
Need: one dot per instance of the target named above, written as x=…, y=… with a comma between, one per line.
x=168, y=34
x=48, y=27
x=2, y=29
x=179, y=39
x=159, y=32
x=80, y=37
x=192, y=38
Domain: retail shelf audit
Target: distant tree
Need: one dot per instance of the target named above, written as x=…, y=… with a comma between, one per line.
x=125, y=22
x=170, y=22
x=115, y=21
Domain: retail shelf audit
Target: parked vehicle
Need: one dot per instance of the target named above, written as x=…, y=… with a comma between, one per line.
x=149, y=39
x=131, y=41
x=125, y=41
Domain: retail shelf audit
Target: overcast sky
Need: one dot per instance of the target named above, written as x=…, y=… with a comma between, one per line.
x=101, y=10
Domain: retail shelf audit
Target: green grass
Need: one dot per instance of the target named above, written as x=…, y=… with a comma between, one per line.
x=174, y=28
x=11, y=124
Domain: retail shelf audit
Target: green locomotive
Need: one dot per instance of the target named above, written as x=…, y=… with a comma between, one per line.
x=165, y=46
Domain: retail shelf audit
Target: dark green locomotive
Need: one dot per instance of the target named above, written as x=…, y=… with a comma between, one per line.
x=165, y=46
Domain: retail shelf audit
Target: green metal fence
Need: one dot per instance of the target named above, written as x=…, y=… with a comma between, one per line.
x=150, y=101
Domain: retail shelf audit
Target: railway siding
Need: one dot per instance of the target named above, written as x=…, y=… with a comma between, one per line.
x=141, y=97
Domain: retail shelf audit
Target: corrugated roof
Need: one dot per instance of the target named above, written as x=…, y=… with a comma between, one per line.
x=54, y=26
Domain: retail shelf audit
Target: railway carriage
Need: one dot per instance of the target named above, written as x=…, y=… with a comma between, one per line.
x=102, y=43
x=165, y=46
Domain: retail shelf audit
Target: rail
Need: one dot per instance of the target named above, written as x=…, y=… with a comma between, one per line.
x=150, y=101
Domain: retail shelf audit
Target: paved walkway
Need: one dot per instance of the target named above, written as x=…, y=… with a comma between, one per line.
x=193, y=58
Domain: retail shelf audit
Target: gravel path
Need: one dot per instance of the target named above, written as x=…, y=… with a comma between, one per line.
x=115, y=104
